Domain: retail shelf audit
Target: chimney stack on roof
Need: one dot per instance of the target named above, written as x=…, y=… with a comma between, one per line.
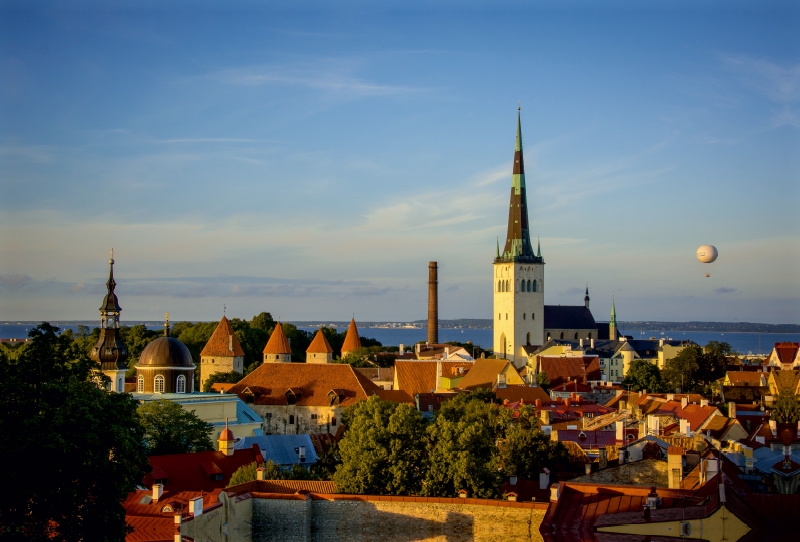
x=158, y=490
x=433, y=303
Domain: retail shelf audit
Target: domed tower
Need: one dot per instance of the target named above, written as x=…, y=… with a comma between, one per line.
x=165, y=366
x=110, y=351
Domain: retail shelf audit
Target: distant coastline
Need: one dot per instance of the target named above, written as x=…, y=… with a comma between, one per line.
x=485, y=323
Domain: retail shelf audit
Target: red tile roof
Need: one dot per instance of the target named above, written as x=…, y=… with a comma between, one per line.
x=786, y=351
x=351, y=340
x=270, y=382
x=586, y=439
x=286, y=486
x=519, y=392
x=396, y=396
x=192, y=472
x=221, y=341
x=572, y=387
x=483, y=374
x=745, y=378
x=154, y=522
x=319, y=345
x=561, y=369
x=420, y=376
x=277, y=343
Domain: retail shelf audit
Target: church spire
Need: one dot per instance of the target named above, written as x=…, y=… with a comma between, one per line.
x=518, y=246
x=110, y=351
x=586, y=298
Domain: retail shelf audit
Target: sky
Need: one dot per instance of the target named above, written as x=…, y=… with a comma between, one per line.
x=309, y=159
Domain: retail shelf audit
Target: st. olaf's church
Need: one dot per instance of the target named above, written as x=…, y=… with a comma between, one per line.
x=522, y=322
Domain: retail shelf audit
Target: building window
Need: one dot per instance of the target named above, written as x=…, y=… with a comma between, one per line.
x=562, y=334
x=158, y=384
x=140, y=384
x=590, y=336
x=576, y=335
x=529, y=338
x=333, y=420
x=529, y=285
x=499, y=316
x=291, y=419
x=313, y=416
x=180, y=385
x=534, y=285
x=523, y=316
x=506, y=316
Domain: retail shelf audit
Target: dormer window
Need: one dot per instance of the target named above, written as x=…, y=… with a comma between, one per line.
x=292, y=395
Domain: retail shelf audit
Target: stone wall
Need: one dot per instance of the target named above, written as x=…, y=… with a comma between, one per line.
x=394, y=519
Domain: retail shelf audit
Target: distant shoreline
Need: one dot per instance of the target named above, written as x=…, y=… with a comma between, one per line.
x=479, y=323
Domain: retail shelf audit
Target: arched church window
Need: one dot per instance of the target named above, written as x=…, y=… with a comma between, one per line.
x=576, y=335
x=158, y=384
x=528, y=338
x=499, y=289
x=534, y=285
x=120, y=385
x=507, y=285
x=562, y=335
x=180, y=384
x=529, y=285
x=506, y=316
x=499, y=316
x=140, y=384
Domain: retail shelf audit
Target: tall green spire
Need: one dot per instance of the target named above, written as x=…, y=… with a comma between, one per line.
x=613, y=313
x=518, y=240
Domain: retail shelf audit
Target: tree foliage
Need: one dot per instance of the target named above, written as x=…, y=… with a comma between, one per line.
x=785, y=409
x=474, y=443
x=169, y=429
x=247, y=473
x=695, y=368
x=643, y=375
x=231, y=377
x=542, y=381
x=383, y=450
x=82, y=445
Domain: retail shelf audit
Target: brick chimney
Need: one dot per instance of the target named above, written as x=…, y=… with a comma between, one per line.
x=433, y=303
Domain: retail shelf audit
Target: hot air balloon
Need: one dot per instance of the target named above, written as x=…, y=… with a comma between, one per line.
x=707, y=254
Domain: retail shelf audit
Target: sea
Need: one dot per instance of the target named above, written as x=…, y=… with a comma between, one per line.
x=743, y=343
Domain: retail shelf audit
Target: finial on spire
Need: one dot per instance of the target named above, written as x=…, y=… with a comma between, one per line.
x=518, y=106
x=111, y=259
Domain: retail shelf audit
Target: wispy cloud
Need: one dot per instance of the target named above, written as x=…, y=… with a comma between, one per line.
x=14, y=282
x=331, y=76
x=726, y=290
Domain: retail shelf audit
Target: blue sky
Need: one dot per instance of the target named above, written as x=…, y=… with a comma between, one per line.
x=311, y=161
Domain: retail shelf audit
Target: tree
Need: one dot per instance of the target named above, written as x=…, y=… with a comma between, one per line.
x=356, y=358
x=169, y=429
x=681, y=372
x=231, y=377
x=82, y=445
x=643, y=375
x=462, y=452
x=715, y=359
x=542, y=381
x=526, y=450
x=383, y=450
x=244, y=474
x=785, y=409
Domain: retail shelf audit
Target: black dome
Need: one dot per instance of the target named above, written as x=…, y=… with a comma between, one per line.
x=166, y=352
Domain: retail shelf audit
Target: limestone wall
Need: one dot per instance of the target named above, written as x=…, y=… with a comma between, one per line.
x=395, y=519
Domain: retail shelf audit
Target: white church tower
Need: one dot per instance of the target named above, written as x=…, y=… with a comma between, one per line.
x=518, y=277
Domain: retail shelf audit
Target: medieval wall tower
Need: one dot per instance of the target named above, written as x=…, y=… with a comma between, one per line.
x=518, y=276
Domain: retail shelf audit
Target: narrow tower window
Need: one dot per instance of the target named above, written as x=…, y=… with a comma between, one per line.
x=534, y=285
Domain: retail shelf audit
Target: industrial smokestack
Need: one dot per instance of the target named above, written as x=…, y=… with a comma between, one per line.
x=433, y=303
